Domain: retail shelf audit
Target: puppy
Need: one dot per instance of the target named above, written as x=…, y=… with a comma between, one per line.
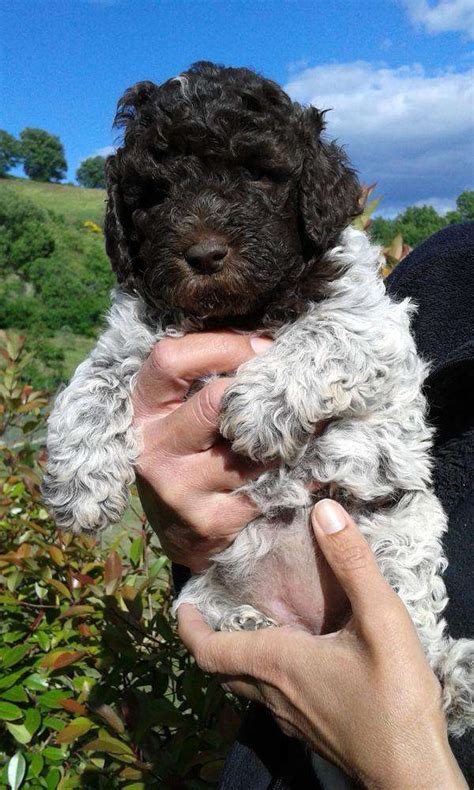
x=227, y=208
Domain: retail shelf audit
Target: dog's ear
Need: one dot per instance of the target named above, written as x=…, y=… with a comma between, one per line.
x=117, y=243
x=329, y=190
x=137, y=111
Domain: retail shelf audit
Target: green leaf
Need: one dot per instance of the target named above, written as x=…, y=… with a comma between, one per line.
x=16, y=771
x=108, y=745
x=36, y=682
x=10, y=680
x=13, y=636
x=136, y=551
x=32, y=720
x=59, y=586
x=36, y=764
x=54, y=723
x=52, y=698
x=53, y=778
x=51, y=753
x=9, y=712
x=14, y=655
x=43, y=640
x=15, y=694
x=19, y=732
x=156, y=566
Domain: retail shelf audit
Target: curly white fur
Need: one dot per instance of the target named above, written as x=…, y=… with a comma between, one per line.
x=349, y=359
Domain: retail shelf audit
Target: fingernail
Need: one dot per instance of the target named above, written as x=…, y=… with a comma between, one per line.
x=260, y=344
x=329, y=516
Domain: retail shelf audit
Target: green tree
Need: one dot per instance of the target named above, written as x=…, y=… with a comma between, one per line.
x=416, y=223
x=382, y=231
x=43, y=155
x=10, y=152
x=465, y=206
x=91, y=173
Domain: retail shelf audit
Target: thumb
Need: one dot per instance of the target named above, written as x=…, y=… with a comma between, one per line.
x=351, y=559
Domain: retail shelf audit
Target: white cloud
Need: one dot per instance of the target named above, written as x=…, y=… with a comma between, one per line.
x=105, y=151
x=409, y=131
x=441, y=206
x=444, y=16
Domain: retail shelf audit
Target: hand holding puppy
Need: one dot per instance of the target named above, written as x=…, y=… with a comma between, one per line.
x=186, y=474
x=364, y=697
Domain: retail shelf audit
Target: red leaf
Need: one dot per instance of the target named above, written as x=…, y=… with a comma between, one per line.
x=68, y=658
x=83, y=579
x=77, y=610
x=73, y=707
x=112, y=572
x=63, y=659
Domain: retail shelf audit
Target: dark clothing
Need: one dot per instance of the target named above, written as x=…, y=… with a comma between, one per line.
x=439, y=277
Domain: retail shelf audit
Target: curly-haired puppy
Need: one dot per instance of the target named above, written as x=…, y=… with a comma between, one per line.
x=226, y=207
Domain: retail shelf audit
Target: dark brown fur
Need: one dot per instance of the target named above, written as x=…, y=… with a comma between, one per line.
x=224, y=152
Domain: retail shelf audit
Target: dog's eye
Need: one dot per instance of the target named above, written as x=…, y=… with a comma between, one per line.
x=255, y=174
x=153, y=195
x=265, y=176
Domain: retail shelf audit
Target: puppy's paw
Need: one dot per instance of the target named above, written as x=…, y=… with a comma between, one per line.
x=77, y=505
x=257, y=418
x=245, y=618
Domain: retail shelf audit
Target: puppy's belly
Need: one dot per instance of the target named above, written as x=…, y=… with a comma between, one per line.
x=293, y=583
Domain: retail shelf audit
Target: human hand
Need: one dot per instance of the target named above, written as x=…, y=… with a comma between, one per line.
x=186, y=473
x=363, y=697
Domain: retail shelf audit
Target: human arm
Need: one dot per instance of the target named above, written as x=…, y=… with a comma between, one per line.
x=364, y=697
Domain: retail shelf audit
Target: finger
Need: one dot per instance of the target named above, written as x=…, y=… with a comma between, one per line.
x=240, y=653
x=194, y=426
x=243, y=687
x=220, y=469
x=174, y=363
x=351, y=559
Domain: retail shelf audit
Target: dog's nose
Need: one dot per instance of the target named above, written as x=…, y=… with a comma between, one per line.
x=207, y=256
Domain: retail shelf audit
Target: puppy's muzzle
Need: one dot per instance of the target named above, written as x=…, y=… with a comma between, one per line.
x=207, y=256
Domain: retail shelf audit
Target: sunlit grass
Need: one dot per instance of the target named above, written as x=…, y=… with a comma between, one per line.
x=75, y=203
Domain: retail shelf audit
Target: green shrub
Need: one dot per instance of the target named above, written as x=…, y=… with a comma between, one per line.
x=25, y=232
x=96, y=691
x=56, y=276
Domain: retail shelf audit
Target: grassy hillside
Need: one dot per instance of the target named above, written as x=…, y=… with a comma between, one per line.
x=74, y=203
x=55, y=278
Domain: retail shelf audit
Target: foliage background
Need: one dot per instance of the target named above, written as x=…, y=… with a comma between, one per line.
x=96, y=691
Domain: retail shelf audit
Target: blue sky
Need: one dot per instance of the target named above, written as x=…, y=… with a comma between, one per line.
x=397, y=73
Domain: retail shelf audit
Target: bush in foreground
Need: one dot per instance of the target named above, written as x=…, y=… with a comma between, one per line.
x=96, y=690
